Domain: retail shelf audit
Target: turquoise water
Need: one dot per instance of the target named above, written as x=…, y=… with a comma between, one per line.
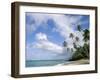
x=39, y=63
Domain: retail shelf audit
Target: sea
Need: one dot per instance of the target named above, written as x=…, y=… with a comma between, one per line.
x=39, y=63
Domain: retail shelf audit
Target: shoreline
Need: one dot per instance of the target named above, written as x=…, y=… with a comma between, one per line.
x=77, y=62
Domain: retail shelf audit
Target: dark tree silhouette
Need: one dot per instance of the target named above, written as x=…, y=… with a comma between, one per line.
x=65, y=44
x=81, y=51
x=77, y=38
x=79, y=28
x=71, y=35
x=86, y=35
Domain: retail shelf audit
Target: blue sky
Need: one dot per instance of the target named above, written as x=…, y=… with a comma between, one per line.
x=46, y=32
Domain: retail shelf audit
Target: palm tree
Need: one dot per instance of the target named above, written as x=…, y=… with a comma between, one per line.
x=65, y=44
x=68, y=49
x=79, y=28
x=71, y=35
x=77, y=38
x=86, y=35
x=75, y=46
x=72, y=50
x=81, y=51
x=86, y=45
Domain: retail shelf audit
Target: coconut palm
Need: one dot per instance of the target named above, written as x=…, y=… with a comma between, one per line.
x=72, y=50
x=79, y=28
x=68, y=49
x=86, y=35
x=71, y=35
x=65, y=44
x=77, y=38
x=81, y=51
x=75, y=46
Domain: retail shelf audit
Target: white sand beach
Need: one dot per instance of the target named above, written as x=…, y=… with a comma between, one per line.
x=77, y=62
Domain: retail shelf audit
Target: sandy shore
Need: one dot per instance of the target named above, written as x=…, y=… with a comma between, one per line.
x=82, y=61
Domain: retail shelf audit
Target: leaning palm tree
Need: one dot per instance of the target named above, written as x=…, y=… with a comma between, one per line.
x=79, y=28
x=72, y=50
x=86, y=44
x=77, y=38
x=86, y=35
x=71, y=35
x=65, y=44
x=68, y=49
x=75, y=46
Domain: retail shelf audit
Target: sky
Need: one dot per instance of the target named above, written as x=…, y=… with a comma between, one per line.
x=46, y=32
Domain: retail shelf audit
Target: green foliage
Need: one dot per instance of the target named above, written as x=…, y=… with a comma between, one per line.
x=86, y=35
x=81, y=51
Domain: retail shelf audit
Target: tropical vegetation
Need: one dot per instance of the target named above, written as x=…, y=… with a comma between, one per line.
x=81, y=52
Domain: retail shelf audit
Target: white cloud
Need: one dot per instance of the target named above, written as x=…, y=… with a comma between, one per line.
x=43, y=43
x=37, y=20
x=41, y=36
x=43, y=49
x=64, y=25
